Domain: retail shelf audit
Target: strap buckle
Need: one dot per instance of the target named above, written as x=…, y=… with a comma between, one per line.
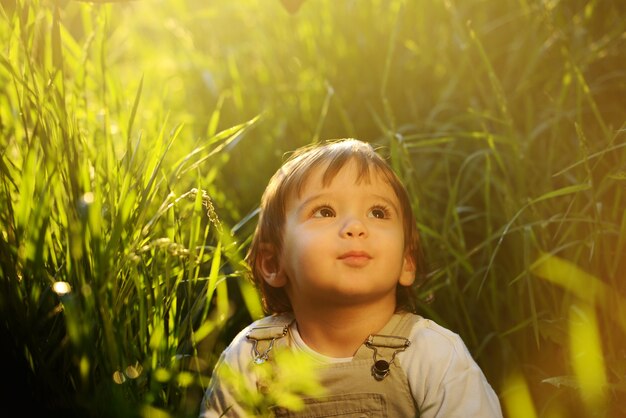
x=380, y=368
x=266, y=337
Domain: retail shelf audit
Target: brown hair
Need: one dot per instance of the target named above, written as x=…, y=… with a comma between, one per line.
x=335, y=154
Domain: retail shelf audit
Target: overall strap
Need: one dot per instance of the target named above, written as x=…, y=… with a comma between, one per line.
x=383, y=347
x=404, y=325
x=265, y=332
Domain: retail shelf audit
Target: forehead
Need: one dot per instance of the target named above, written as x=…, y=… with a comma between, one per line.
x=324, y=175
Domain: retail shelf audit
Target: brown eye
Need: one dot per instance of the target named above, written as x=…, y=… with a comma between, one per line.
x=323, y=212
x=379, y=213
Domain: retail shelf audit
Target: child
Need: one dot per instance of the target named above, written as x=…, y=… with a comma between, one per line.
x=335, y=254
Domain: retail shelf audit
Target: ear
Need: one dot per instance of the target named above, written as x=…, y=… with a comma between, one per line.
x=269, y=266
x=407, y=275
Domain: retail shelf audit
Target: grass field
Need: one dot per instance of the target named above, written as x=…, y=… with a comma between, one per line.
x=136, y=138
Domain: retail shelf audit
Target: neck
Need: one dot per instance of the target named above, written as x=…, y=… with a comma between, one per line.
x=340, y=331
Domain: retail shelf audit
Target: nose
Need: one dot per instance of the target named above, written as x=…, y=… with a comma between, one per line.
x=353, y=228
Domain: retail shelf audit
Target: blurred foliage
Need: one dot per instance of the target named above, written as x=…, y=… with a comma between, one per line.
x=136, y=139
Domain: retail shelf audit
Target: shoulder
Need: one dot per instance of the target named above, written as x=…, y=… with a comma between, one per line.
x=436, y=352
x=238, y=353
x=426, y=334
x=444, y=378
x=233, y=367
x=281, y=319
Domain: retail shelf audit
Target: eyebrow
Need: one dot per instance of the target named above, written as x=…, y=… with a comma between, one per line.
x=308, y=200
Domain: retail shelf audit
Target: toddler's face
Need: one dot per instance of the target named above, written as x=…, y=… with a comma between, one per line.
x=344, y=243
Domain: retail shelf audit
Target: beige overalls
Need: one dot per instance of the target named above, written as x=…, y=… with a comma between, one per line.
x=371, y=385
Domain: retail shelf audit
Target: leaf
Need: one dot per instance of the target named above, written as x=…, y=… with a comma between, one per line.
x=292, y=6
x=563, y=191
x=566, y=381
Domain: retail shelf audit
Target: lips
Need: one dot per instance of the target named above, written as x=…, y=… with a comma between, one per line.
x=355, y=258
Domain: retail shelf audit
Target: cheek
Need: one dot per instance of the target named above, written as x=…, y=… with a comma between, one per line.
x=394, y=241
x=301, y=246
x=395, y=233
x=300, y=249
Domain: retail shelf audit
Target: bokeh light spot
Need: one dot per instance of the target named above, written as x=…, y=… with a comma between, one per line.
x=61, y=288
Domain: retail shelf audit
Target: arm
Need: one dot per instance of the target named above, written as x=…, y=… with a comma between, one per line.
x=219, y=400
x=444, y=378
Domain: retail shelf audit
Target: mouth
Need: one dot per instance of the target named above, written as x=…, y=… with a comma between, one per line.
x=355, y=258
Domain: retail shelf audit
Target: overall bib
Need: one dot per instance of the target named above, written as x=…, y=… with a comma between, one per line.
x=372, y=384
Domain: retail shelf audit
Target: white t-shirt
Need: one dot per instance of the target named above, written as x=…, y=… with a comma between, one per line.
x=444, y=379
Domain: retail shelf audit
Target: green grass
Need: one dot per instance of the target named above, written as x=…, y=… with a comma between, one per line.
x=137, y=137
